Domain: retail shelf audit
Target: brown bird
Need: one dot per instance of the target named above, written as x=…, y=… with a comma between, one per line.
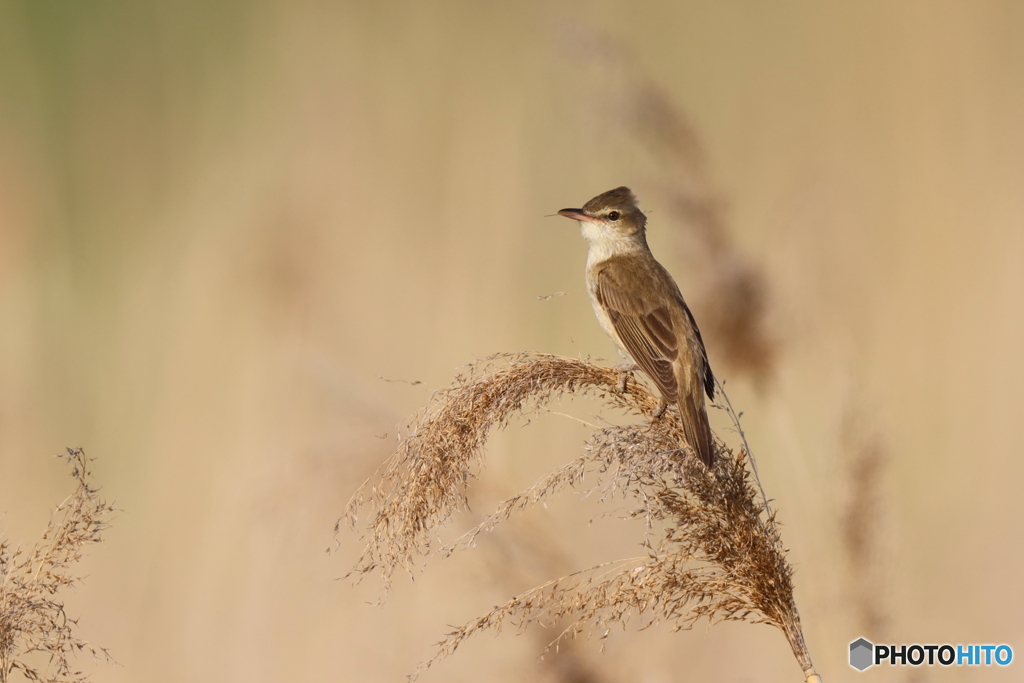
x=639, y=305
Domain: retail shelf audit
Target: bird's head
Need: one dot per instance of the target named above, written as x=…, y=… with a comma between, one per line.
x=611, y=216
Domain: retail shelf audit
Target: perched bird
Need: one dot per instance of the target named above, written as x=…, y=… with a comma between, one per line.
x=639, y=305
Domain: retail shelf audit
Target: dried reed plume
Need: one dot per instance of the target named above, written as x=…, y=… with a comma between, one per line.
x=37, y=638
x=863, y=523
x=713, y=547
x=734, y=305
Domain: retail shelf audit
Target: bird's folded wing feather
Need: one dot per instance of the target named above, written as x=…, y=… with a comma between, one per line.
x=707, y=377
x=646, y=331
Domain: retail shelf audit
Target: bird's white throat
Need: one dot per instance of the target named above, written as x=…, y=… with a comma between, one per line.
x=605, y=243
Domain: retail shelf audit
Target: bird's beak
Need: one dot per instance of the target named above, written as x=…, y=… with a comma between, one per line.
x=577, y=215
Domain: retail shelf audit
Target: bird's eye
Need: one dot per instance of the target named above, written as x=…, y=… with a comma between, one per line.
x=613, y=216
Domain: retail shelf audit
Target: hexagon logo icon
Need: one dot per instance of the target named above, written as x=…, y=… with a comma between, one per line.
x=861, y=654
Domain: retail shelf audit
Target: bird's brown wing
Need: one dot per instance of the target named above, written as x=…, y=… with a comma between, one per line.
x=646, y=332
x=650, y=338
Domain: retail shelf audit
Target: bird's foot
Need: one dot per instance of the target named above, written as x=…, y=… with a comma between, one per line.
x=624, y=373
x=660, y=410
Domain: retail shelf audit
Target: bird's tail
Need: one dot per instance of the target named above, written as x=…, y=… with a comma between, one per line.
x=697, y=429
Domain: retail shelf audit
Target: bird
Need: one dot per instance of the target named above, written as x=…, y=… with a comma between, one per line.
x=640, y=307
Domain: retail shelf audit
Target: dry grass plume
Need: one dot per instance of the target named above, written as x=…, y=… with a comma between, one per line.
x=713, y=545
x=734, y=303
x=37, y=637
x=862, y=522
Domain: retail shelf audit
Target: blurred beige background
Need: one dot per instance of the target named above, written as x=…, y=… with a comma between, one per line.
x=221, y=224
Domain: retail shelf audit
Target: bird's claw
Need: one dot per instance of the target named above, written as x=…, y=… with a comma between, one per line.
x=660, y=410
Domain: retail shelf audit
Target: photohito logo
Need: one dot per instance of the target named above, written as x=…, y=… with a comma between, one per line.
x=863, y=654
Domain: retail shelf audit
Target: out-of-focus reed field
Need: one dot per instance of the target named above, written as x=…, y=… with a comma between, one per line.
x=240, y=243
